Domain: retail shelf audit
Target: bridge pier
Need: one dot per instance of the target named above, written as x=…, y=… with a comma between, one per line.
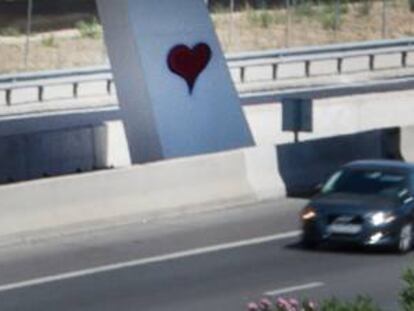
x=175, y=91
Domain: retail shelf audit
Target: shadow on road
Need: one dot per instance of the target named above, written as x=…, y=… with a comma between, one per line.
x=342, y=249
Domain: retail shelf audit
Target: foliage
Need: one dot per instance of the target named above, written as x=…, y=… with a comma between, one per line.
x=364, y=8
x=305, y=8
x=328, y=14
x=261, y=18
x=49, y=41
x=328, y=21
x=361, y=303
x=90, y=28
x=407, y=293
x=264, y=19
x=282, y=304
x=10, y=32
x=219, y=8
x=411, y=4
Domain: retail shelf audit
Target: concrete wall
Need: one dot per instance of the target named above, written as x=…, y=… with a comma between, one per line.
x=66, y=151
x=336, y=116
x=332, y=117
x=304, y=165
x=407, y=143
x=190, y=184
x=37, y=155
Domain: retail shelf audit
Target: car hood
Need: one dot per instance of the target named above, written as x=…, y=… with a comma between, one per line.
x=353, y=203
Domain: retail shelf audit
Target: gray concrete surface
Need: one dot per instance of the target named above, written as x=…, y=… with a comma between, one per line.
x=168, y=187
x=220, y=280
x=347, y=115
x=38, y=154
x=96, y=198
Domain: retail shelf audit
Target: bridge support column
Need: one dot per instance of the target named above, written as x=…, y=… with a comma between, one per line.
x=174, y=88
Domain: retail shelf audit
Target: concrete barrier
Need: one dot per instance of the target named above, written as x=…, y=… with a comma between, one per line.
x=66, y=151
x=41, y=154
x=304, y=165
x=407, y=143
x=189, y=184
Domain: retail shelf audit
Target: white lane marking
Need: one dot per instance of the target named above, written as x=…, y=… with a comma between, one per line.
x=147, y=261
x=294, y=289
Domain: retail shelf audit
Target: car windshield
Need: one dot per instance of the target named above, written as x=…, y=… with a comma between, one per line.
x=367, y=182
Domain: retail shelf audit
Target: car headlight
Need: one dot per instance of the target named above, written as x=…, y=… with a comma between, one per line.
x=308, y=213
x=381, y=218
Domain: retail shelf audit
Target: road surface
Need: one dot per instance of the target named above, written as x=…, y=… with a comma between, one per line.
x=211, y=261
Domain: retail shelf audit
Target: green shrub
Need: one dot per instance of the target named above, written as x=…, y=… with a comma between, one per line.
x=361, y=303
x=49, y=41
x=364, y=8
x=407, y=293
x=265, y=19
x=261, y=18
x=328, y=22
x=90, y=28
x=219, y=8
x=327, y=15
x=411, y=4
x=10, y=32
x=305, y=8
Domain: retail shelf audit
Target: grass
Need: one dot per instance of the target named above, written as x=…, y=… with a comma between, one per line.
x=49, y=41
x=330, y=15
x=305, y=9
x=10, y=32
x=252, y=29
x=90, y=28
x=262, y=18
x=219, y=8
x=364, y=8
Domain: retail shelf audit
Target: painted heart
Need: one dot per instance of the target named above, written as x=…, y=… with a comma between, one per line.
x=189, y=63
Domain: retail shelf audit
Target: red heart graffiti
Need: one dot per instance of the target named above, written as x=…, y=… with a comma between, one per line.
x=189, y=63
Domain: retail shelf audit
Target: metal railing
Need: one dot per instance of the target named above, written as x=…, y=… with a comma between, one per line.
x=241, y=62
x=320, y=92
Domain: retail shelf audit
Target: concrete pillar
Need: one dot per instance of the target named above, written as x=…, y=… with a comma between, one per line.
x=174, y=87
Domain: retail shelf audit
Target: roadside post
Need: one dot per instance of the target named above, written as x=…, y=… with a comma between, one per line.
x=297, y=116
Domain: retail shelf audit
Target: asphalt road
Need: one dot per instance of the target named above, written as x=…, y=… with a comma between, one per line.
x=210, y=261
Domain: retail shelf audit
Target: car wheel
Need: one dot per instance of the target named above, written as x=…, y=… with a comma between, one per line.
x=405, y=239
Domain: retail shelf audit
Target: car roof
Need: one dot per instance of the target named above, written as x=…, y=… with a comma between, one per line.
x=381, y=164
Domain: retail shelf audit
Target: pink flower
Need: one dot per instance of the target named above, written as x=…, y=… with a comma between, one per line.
x=252, y=306
x=265, y=304
x=283, y=305
x=294, y=304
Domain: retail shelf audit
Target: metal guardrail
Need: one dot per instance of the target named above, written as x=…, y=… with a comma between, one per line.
x=357, y=88
x=241, y=62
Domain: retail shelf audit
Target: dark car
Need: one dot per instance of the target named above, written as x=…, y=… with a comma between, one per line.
x=368, y=203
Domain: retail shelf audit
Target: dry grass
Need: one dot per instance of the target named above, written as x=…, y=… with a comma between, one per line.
x=242, y=31
x=308, y=29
